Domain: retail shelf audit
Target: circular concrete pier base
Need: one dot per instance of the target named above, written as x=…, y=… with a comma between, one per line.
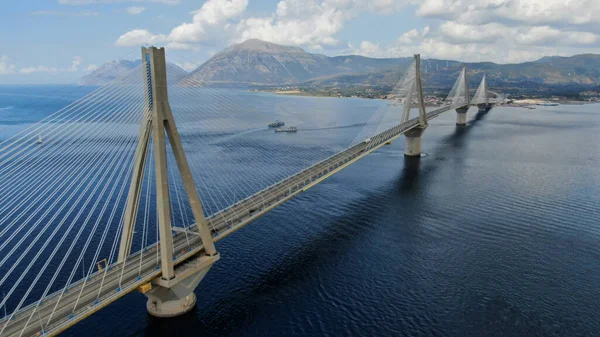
x=171, y=308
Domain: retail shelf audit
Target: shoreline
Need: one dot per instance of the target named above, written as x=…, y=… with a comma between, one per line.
x=522, y=103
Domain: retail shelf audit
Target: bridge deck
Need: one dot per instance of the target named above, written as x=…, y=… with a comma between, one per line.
x=61, y=310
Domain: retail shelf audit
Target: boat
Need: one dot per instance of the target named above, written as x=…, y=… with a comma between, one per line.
x=289, y=129
x=276, y=124
x=39, y=139
x=548, y=104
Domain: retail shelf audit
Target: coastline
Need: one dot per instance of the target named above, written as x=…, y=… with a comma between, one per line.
x=521, y=103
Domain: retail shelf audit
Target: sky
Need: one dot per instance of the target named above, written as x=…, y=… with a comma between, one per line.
x=58, y=41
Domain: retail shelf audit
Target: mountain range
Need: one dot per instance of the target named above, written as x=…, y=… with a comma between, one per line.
x=259, y=63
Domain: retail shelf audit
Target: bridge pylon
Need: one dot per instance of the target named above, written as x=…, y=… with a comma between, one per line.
x=482, y=97
x=172, y=293
x=413, y=136
x=461, y=112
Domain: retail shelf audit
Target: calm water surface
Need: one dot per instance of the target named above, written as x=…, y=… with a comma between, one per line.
x=496, y=232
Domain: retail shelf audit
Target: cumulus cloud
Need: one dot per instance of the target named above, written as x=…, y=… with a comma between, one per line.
x=484, y=45
x=77, y=60
x=38, y=69
x=545, y=35
x=463, y=33
x=213, y=14
x=135, y=10
x=413, y=36
x=139, y=37
x=5, y=66
x=317, y=29
x=470, y=30
x=311, y=23
x=367, y=48
x=524, y=11
x=207, y=24
x=497, y=30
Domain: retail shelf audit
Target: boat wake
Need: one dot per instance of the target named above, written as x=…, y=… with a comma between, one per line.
x=6, y=108
x=336, y=127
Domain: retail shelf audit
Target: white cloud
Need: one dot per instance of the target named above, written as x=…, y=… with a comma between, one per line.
x=470, y=30
x=91, y=68
x=314, y=31
x=546, y=35
x=447, y=43
x=413, y=36
x=213, y=14
x=38, y=69
x=135, y=10
x=139, y=37
x=523, y=11
x=5, y=67
x=207, y=24
x=311, y=23
x=464, y=33
x=367, y=48
x=75, y=63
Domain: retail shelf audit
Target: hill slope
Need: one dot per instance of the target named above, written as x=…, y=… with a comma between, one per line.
x=256, y=62
x=108, y=72
x=260, y=62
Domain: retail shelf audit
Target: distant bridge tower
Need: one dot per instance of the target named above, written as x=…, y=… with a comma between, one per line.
x=413, y=136
x=461, y=113
x=172, y=294
x=482, y=96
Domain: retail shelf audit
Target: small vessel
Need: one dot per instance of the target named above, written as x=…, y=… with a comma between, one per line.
x=39, y=139
x=548, y=104
x=276, y=124
x=288, y=129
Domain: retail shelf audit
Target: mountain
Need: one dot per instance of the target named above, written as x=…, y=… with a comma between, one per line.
x=259, y=62
x=108, y=72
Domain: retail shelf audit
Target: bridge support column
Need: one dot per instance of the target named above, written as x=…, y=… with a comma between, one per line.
x=176, y=297
x=461, y=115
x=413, y=141
x=484, y=107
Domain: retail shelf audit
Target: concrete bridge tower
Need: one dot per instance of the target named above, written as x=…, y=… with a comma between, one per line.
x=461, y=113
x=172, y=293
x=482, y=96
x=413, y=136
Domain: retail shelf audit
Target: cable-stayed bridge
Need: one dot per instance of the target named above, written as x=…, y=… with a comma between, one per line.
x=117, y=192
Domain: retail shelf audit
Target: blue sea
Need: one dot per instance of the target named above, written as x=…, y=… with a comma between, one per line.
x=495, y=231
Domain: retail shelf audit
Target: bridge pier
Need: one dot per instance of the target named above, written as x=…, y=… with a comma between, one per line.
x=175, y=297
x=413, y=141
x=484, y=107
x=461, y=115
